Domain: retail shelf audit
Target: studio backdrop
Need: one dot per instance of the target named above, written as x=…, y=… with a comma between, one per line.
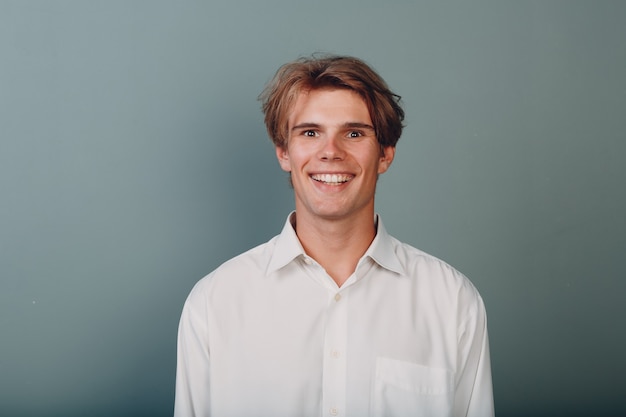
x=134, y=160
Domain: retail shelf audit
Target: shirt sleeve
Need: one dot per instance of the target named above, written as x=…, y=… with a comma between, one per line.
x=474, y=390
x=193, y=364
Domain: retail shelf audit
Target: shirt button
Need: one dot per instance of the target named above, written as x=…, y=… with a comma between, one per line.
x=335, y=354
x=337, y=297
x=333, y=411
x=308, y=261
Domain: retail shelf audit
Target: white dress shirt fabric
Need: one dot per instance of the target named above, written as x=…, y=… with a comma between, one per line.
x=270, y=334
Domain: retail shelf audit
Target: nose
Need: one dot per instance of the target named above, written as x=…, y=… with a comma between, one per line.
x=331, y=149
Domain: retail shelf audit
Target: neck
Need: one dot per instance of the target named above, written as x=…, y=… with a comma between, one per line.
x=336, y=244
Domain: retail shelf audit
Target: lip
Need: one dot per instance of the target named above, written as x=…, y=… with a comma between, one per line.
x=332, y=178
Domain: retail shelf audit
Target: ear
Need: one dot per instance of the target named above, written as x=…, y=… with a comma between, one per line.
x=283, y=158
x=386, y=158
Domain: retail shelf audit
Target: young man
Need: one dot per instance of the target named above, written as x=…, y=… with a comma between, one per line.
x=333, y=317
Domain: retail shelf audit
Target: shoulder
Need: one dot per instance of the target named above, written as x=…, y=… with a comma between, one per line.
x=238, y=271
x=414, y=260
x=429, y=273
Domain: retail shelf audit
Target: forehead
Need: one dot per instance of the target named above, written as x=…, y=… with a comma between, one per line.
x=328, y=105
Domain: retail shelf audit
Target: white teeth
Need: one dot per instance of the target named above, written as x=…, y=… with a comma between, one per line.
x=332, y=178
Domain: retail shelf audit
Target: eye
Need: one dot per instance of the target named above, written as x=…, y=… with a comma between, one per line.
x=309, y=133
x=355, y=134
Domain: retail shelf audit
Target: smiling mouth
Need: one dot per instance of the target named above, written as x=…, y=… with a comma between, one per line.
x=332, y=179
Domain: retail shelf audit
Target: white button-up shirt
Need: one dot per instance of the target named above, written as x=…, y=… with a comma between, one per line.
x=270, y=334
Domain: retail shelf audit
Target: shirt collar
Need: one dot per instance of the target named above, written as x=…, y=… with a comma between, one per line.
x=382, y=249
x=288, y=248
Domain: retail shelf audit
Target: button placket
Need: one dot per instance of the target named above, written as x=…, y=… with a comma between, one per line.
x=334, y=366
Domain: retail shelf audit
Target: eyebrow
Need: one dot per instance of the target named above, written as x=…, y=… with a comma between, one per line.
x=347, y=125
x=306, y=126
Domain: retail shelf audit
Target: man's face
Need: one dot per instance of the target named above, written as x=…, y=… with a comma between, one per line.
x=333, y=155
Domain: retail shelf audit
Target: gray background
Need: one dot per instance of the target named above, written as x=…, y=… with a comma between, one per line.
x=133, y=161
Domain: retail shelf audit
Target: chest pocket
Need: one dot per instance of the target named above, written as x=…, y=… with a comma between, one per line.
x=408, y=389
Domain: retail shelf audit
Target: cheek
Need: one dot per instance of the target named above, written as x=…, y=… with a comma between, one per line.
x=295, y=160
